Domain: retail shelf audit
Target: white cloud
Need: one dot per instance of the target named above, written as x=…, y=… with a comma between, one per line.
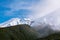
x=44, y=8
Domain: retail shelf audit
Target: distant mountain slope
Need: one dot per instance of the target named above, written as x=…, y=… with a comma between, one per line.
x=55, y=36
x=19, y=32
x=44, y=30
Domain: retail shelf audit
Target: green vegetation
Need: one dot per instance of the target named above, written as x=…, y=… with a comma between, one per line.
x=55, y=36
x=19, y=32
x=24, y=32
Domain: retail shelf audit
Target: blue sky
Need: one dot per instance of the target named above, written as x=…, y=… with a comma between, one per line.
x=14, y=8
x=32, y=9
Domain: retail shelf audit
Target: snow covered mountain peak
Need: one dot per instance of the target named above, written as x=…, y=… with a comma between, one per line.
x=16, y=21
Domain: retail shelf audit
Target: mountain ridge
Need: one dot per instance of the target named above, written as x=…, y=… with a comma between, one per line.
x=18, y=32
x=15, y=21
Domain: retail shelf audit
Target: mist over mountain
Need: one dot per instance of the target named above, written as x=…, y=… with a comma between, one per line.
x=48, y=24
x=53, y=19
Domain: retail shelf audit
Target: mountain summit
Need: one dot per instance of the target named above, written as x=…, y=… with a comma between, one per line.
x=16, y=21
